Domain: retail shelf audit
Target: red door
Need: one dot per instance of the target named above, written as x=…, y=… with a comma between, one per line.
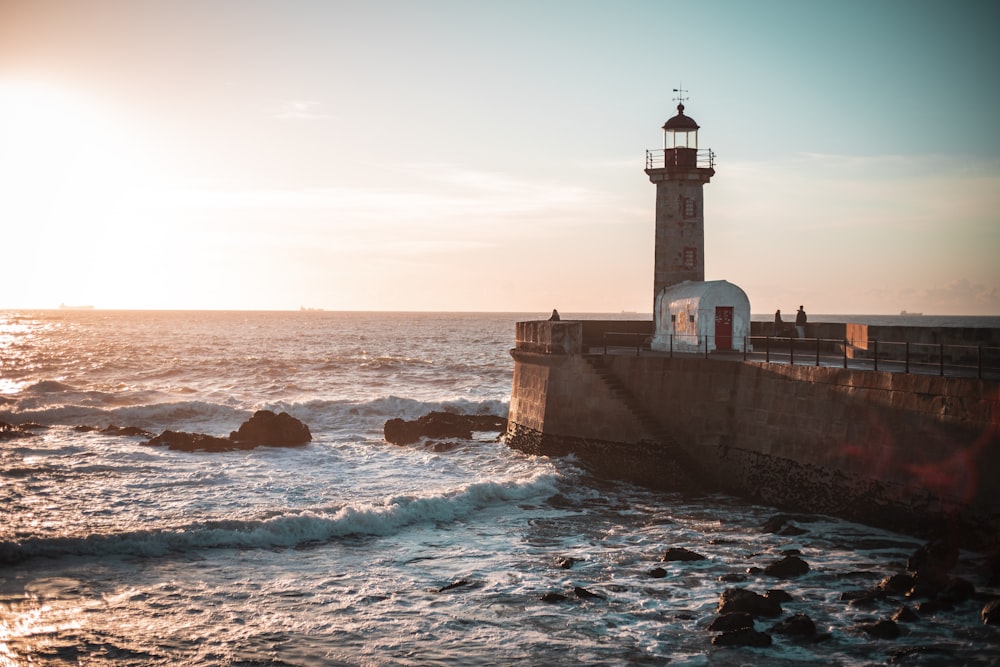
x=723, y=327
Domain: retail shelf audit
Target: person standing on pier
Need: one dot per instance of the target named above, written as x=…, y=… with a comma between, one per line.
x=779, y=324
x=800, y=322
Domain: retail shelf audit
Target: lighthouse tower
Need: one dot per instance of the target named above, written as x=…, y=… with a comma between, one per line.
x=679, y=171
x=689, y=314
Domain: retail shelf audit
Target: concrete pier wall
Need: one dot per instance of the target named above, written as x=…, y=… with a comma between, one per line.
x=909, y=452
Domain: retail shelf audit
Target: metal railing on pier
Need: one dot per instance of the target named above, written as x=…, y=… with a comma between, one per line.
x=971, y=361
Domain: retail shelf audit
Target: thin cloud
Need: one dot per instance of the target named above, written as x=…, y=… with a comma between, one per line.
x=301, y=110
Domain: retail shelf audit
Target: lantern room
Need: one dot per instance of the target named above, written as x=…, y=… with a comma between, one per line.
x=680, y=131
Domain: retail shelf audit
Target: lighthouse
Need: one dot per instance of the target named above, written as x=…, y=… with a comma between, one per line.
x=679, y=170
x=689, y=314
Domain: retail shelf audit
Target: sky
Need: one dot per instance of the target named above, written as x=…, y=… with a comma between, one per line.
x=466, y=155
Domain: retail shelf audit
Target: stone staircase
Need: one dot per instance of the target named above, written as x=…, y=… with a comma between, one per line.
x=666, y=464
x=657, y=432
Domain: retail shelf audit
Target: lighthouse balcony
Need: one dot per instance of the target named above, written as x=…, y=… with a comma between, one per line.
x=668, y=158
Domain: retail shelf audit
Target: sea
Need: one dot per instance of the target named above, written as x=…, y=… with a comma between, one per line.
x=353, y=551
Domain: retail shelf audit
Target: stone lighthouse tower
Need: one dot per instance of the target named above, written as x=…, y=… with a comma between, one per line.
x=679, y=171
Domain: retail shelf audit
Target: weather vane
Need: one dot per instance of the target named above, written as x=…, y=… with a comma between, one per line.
x=680, y=95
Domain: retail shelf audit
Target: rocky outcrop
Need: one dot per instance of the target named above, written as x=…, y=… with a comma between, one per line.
x=741, y=600
x=265, y=428
x=440, y=425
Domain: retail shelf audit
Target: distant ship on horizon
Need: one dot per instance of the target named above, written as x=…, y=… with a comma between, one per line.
x=903, y=312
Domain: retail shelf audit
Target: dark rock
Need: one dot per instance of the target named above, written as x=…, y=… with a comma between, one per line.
x=264, y=428
x=680, y=554
x=268, y=429
x=991, y=613
x=744, y=637
x=440, y=425
x=798, y=624
x=553, y=598
x=584, y=594
x=881, y=629
x=789, y=566
x=778, y=521
x=935, y=558
x=737, y=620
x=12, y=431
x=897, y=583
x=441, y=447
x=193, y=442
x=657, y=573
x=933, y=606
x=126, y=431
x=732, y=578
x=928, y=584
x=455, y=584
x=792, y=531
x=866, y=600
x=905, y=615
x=566, y=562
x=958, y=590
x=778, y=595
x=740, y=599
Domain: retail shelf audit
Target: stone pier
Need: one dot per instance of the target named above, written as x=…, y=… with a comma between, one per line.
x=914, y=453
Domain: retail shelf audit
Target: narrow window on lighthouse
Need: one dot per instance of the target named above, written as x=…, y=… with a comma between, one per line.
x=689, y=207
x=690, y=257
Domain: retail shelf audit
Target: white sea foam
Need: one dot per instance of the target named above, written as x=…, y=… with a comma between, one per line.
x=294, y=528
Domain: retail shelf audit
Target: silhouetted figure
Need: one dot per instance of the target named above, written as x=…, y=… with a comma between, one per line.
x=555, y=316
x=800, y=322
x=779, y=325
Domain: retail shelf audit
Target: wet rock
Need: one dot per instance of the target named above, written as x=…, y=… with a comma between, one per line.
x=744, y=637
x=991, y=613
x=440, y=425
x=732, y=578
x=193, y=442
x=265, y=428
x=742, y=600
x=905, y=615
x=553, y=598
x=897, y=583
x=737, y=620
x=881, y=629
x=789, y=566
x=566, y=562
x=127, y=431
x=792, y=531
x=584, y=594
x=13, y=431
x=866, y=600
x=680, y=554
x=934, y=559
x=779, y=521
x=933, y=606
x=798, y=624
x=778, y=595
x=461, y=583
x=657, y=573
x=958, y=590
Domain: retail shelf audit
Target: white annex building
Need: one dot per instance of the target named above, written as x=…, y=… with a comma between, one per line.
x=688, y=312
x=696, y=314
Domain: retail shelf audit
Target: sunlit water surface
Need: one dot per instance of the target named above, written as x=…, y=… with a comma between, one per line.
x=353, y=551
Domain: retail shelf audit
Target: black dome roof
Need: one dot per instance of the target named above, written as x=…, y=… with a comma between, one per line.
x=680, y=122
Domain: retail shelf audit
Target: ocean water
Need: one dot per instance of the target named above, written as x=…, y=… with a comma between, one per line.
x=352, y=551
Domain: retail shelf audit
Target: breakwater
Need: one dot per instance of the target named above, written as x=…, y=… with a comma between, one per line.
x=915, y=453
